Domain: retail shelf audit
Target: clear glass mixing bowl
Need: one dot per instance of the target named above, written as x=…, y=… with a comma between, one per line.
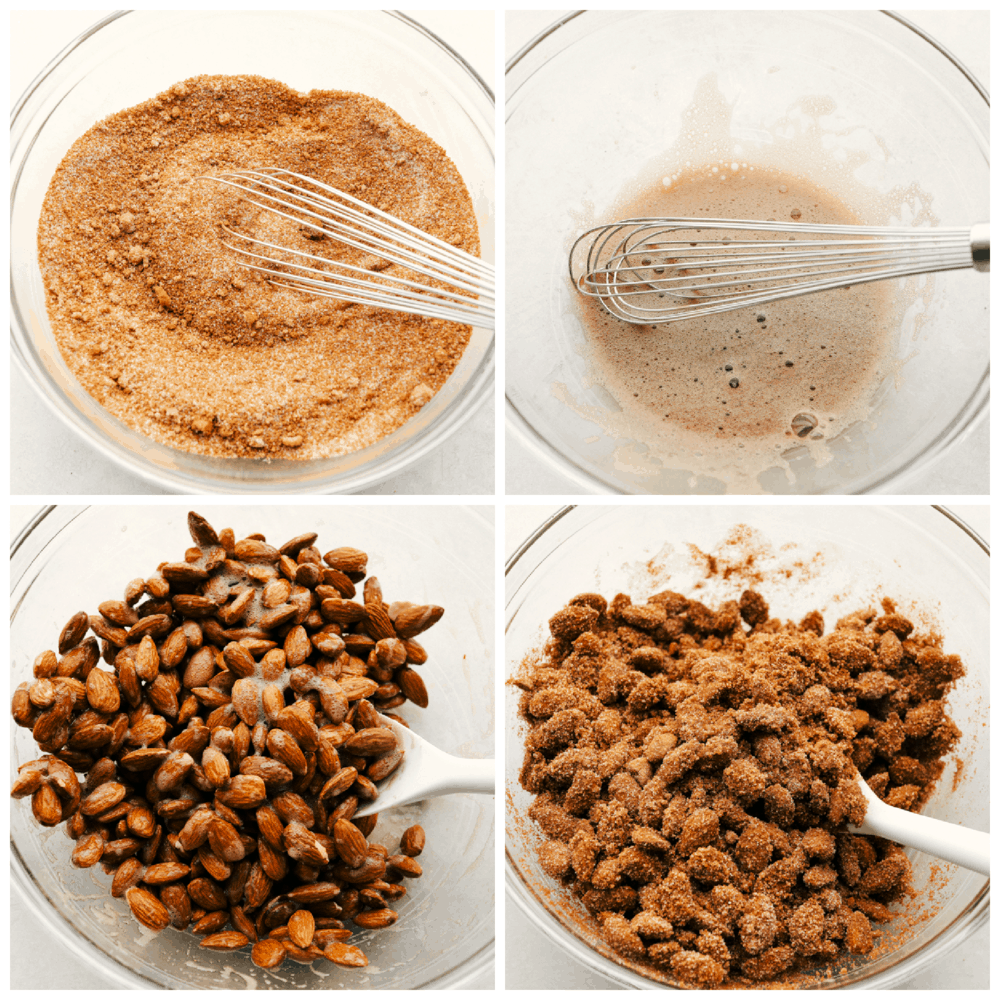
x=70, y=558
x=923, y=557
x=132, y=56
x=599, y=95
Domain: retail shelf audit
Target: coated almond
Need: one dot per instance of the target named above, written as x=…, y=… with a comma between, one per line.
x=301, y=926
x=268, y=954
x=350, y=842
x=102, y=692
x=147, y=909
x=346, y=955
x=225, y=941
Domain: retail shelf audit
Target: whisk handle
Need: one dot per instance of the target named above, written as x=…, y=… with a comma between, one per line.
x=979, y=237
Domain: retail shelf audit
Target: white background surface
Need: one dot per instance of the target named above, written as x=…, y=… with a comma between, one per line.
x=964, y=471
x=533, y=962
x=47, y=458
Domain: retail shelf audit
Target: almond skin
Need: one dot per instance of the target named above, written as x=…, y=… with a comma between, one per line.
x=147, y=909
x=301, y=927
x=351, y=843
x=345, y=954
x=268, y=954
x=225, y=941
x=412, y=841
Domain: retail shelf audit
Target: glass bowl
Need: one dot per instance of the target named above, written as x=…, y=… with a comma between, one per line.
x=599, y=96
x=924, y=557
x=130, y=57
x=71, y=557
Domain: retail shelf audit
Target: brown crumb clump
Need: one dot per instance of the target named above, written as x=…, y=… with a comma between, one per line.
x=696, y=769
x=173, y=336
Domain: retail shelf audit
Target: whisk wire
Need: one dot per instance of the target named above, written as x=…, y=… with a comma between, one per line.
x=463, y=285
x=643, y=273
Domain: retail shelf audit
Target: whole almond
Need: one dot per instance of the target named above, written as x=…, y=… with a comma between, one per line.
x=376, y=919
x=73, y=632
x=225, y=941
x=284, y=748
x=351, y=844
x=301, y=926
x=225, y=841
x=403, y=864
x=412, y=841
x=412, y=685
x=379, y=770
x=103, y=798
x=210, y=923
x=169, y=871
x=102, y=691
x=347, y=560
x=206, y=894
x=346, y=955
x=302, y=845
x=178, y=905
x=147, y=909
x=268, y=954
x=243, y=791
x=88, y=850
x=371, y=743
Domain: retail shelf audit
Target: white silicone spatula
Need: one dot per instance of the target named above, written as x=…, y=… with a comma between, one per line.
x=958, y=844
x=427, y=772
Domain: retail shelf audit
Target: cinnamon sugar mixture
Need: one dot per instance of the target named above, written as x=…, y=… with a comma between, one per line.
x=695, y=769
x=181, y=343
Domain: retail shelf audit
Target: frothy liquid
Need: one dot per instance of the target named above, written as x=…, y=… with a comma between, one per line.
x=727, y=395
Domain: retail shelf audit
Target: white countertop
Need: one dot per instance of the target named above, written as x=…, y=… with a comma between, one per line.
x=47, y=458
x=962, y=472
x=533, y=962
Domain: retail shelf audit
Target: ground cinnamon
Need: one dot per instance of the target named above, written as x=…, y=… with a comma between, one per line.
x=184, y=345
x=695, y=769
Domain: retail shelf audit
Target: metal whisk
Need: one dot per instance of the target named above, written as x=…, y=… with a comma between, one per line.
x=648, y=271
x=458, y=287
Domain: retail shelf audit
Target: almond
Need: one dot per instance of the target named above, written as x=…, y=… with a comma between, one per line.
x=371, y=743
x=346, y=955
x=303, y=845
x=415, y=619
x=284, y=749
x=301, y=927
x=102, y=691
x=169, y=871
x=103, y=798
x=73, y=632
x=376, y=919
x=412, y=841
x=347, y=560
x=268, y=954
x=350, y=842
x=243, y=791
x=225, y=941
x=147, y=909
x=412, y=685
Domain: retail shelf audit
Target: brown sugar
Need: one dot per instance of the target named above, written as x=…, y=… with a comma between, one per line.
x=695, y=770
x=183, y=344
